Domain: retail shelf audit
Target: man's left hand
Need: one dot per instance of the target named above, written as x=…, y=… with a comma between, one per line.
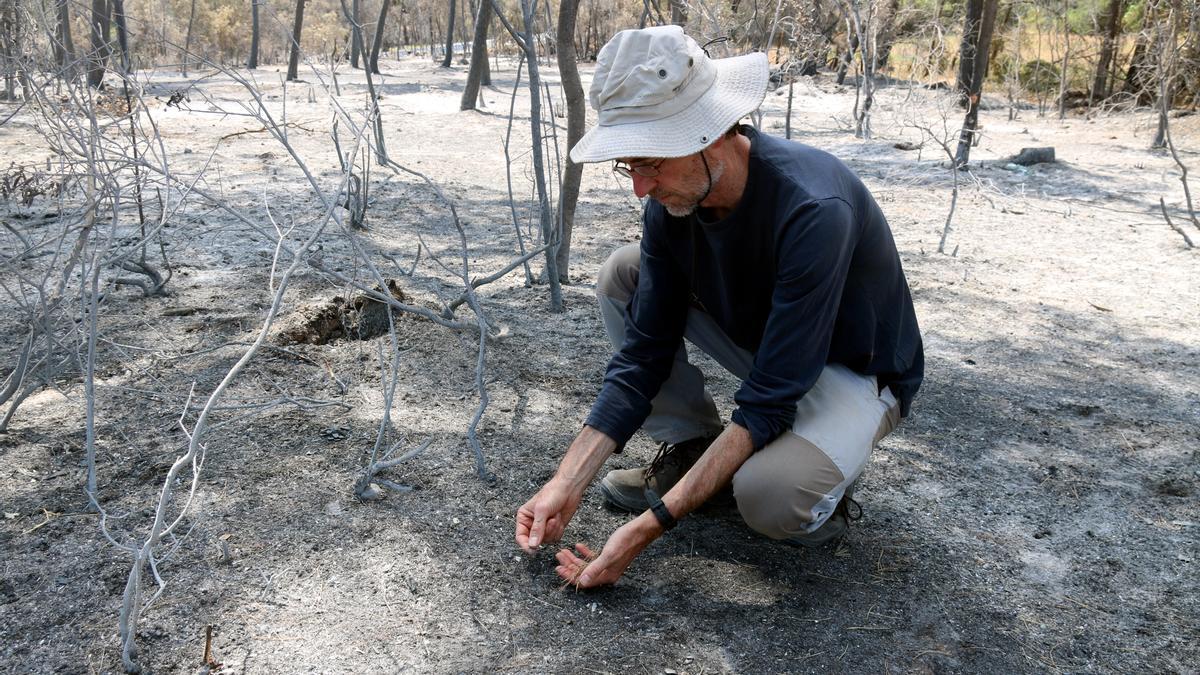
x=591, y=570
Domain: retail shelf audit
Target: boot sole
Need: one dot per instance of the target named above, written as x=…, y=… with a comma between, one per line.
x=613, y=499
x=830, y=532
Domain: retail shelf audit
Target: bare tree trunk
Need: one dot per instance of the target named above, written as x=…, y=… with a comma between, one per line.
x=977, y=35
x=404, y=30
x=118, y=7
x=252, y=62
x=527, y=44
x=10, y=44
x=462, y=25
x=377, y=41
x=865, y=35
x=885, y=32
x=449, y=38
x=187, y=42
x=848, y=56
x=64, y=46
x=432, y=46
x=576, y=119
x=1063, y=79
x=355, y=21
x=549, y=235
x=294, y=55
x=1167, y=64
x=98, y=58
x=679, y=12
x=1139, y=78
x=1112, y=29
x=479, y=57
x=357, y=41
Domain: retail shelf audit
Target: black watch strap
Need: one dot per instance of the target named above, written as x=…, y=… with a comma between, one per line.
x=660, y=511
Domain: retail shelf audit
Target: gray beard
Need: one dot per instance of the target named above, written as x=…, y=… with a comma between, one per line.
x=715, y=171
x=681, y=212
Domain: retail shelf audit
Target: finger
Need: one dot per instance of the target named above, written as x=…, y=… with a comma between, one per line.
x=591, y=576
x=524, y=521
x=565, y=557
x=537, y=529
x=567, y=572
x=584, y=551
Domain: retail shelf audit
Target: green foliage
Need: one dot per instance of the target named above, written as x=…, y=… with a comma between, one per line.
x=1039, y=77
x=1132, y=19
x=1084, y=18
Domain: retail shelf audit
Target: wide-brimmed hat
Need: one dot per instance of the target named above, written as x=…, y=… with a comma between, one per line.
x=658, y=94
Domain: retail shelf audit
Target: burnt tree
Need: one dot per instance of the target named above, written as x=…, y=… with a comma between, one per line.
x=449, y=37
x=1112, y=30
x=377, y=40
x=972, y=68
x=294, y=54
x=252, y=61
x=64, y=46
x=478, y=74
x=355, y=25
x=99, y=26
x=576, y=119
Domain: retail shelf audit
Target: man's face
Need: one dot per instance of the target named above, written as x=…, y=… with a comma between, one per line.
x=679, y=185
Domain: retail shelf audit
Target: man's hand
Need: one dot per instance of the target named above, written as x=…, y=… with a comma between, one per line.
x=712, y=471
x=545, y=516
x=591, y=570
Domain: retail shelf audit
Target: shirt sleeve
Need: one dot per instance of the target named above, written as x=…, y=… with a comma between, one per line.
x=812, y=263
x=657, y=314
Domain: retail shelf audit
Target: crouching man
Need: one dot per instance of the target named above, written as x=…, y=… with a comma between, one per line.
x=770, y=256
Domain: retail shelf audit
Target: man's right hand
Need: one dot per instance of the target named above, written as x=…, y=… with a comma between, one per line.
x=544, y=517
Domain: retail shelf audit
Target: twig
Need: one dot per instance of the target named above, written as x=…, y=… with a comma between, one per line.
x=47, y=516
x=209, y=661
x=288, y=125
x=1183, y=178
x=1187, y=240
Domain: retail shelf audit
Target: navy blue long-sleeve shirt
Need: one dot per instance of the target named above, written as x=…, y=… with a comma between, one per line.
x=802, y=273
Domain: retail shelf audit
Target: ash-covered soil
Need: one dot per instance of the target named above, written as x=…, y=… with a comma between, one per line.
x=1036, y=513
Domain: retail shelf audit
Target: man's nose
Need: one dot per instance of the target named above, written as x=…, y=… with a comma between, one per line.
x=642, y=185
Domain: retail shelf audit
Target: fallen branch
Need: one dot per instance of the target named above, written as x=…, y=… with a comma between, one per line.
x=1188, y=240
x=264, y=130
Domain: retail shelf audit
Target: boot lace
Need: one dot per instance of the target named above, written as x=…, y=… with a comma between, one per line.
x=850, y=508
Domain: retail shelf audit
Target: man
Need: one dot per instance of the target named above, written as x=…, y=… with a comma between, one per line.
x=771, y=257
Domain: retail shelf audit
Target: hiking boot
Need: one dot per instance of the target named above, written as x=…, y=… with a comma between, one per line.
x=846, y=511
x=625, y=489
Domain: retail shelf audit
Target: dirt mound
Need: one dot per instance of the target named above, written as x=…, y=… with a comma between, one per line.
x=318, y=323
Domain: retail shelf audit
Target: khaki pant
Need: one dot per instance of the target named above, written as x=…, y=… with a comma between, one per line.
x=791, y=486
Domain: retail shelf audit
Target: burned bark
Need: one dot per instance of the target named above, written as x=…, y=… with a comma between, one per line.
x=1112, y=30
x=973, y=64
x=294, y=54
x=576, y=112
x=479, y=57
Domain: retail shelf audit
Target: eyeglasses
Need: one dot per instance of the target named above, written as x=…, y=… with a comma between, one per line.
x=645, y=170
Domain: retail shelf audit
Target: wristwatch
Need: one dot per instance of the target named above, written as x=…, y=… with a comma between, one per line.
x=660, y=511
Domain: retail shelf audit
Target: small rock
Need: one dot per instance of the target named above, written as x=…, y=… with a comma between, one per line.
x=1031, y=156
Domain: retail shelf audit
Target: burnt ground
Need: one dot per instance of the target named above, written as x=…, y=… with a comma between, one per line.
x=1036, y=513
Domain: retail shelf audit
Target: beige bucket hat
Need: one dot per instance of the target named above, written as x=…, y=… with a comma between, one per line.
x=658, y=94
